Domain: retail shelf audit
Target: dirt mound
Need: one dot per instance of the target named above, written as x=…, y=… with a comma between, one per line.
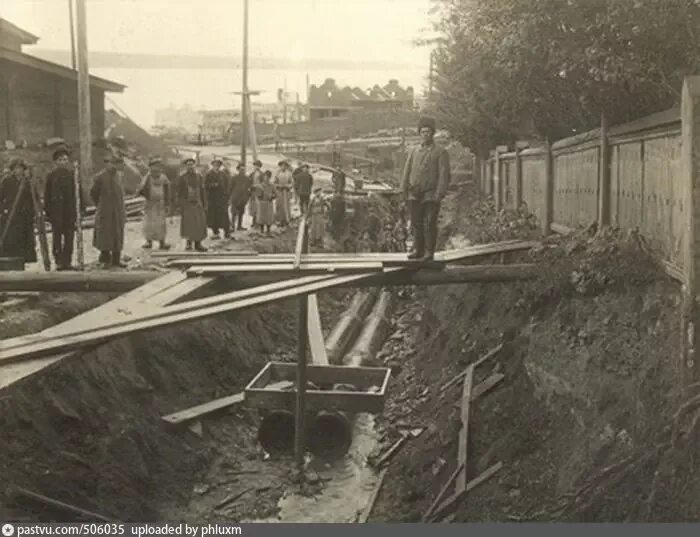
x=579, y=417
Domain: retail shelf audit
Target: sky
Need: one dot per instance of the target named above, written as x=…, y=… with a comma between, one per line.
x=379, y=30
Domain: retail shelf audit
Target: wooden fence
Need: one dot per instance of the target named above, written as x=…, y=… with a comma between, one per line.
x=642, y=175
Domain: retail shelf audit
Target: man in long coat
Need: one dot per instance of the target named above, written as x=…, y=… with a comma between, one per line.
x=216, y=184
x=241, y=185
x=193, y=204
x=426, y=176
x=60, y=208
x=256, y=178
x=17, y=214
x=155, y=187
x=110, y=216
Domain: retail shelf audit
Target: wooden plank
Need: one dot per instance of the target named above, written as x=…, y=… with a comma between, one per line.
x=457, y=497
x=392, y=451
x=490, y=354
x=360, y=376
x=486, y=249
x=462, y=448
x=180, y=291
x=372, y=500
x=205, y=409
x=213, y=253
x=24, y=494
x=11, y=373
x=76, y=281
x=316, y=342
x=37, y=346
x=441, y=494
x=483, y=387
x=365, y=266
x=193, y=305
x=301, y=240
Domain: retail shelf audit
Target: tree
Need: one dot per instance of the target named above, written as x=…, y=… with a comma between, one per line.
x=549, y=68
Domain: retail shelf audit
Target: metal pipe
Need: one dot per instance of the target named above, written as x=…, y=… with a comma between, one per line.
x=276, y=432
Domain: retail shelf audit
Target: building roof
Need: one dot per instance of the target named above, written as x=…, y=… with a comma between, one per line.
x=55, y=69
x=24, y=37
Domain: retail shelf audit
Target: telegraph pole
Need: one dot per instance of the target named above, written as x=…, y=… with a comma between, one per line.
x=244, y=92
x=84, y=121
x=72, y=34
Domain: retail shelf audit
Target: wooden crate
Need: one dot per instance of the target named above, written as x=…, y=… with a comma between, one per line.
x=323, y=376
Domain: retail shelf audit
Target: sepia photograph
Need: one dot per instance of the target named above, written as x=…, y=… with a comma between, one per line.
x=353, y=262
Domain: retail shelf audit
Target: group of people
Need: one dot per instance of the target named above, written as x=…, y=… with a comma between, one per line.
x=217, y=201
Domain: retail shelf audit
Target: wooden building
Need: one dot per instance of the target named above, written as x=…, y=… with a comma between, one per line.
x=39, y=99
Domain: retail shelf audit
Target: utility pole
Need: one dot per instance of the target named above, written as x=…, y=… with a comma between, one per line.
x=244, y=92
x=72, y=33
x=84, y=120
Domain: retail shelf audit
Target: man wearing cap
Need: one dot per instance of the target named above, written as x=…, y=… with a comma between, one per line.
x=256, y=179
x=60, y=208
x=217, y=186
x=110, y=216
x=426, y=176
x=17, y=214
x=155, y=187
x=303, y=183
x=241, y=185
x=193, y=203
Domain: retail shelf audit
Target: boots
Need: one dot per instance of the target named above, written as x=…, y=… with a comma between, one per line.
x=198, y=246
x=188, y=245
x=147, y=245
x=105, y=257
x=116, y=260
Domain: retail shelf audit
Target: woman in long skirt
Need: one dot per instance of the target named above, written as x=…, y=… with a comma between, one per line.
x=283, y=183
x=256, y=177
x=265, y=196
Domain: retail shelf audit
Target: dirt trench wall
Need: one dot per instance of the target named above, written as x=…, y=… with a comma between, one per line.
x=89, y=431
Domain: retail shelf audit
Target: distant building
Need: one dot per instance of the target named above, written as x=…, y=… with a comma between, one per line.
x=39, y=99
x=329, y=100
x=185, y=118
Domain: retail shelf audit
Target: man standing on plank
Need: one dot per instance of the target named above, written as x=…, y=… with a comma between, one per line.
x=156, y=189
x=303, y=183
x=17, y=214
x=60, y=208
x=217, y=187
x=426, y=176
x=193, y=204
x=240, y=193
x=110, y=216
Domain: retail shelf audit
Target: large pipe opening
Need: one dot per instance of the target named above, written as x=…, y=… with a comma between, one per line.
x=276, y=433
x=330, y=435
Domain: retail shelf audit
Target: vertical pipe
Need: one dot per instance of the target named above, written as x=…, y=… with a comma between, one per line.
x=244, y=93
x=84, y=116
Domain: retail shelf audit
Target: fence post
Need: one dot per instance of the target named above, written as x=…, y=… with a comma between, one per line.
x=547, y=217
x=498, y=180
x=491, y=172
x=604, y=175
x=690, y=175
x=518, y=183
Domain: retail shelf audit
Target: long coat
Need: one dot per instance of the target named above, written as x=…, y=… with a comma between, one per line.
x=217, y=186
x=256, y=180
x=192, y=200
x=59, y=199
x=19, y=239
x=283, y=183
x=110, y=217
x=317, y=210
x=426, y=174
x=241, y=184
x=265, y=194
x=156, y=190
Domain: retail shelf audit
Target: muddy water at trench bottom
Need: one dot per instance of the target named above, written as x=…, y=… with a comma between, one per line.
x=351, y=483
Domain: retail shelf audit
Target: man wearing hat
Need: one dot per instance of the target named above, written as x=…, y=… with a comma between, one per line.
x=256, y=179
x=303, y=183
x=60, y=208
x=155, y=187
x=17, y=213
x=216, y=184
x=241, y=185
x=193, y=203
x=110, y=216
x=426, y=176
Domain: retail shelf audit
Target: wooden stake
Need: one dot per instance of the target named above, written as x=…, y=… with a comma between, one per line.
x=40, y=227
x=451, y=502
x=302, y=335
x=40, y=498
x=78, y=219
x=462, y=450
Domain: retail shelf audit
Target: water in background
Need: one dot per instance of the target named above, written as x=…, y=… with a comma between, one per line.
x=151, y=89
